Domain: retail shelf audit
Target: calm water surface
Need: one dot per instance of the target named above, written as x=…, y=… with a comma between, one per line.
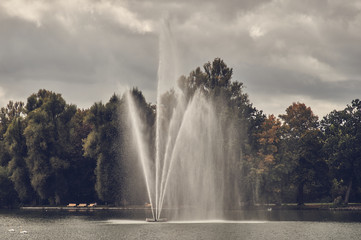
x=130, y=224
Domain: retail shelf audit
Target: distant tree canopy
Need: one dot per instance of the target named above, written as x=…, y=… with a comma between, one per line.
x=53, y=153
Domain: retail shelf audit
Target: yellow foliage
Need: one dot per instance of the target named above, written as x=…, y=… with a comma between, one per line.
x=269, y=158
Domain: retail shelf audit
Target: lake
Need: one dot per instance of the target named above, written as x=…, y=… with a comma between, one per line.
x=130, y=224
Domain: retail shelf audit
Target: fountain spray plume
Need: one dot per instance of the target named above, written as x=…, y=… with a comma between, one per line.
x=143, y=152
x=154, y=177
x=167, y=75
x=188, y=170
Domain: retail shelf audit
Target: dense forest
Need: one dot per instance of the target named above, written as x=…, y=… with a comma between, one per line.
x=52, y=153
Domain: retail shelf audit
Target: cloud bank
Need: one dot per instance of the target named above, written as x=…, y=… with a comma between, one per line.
x=282, y=50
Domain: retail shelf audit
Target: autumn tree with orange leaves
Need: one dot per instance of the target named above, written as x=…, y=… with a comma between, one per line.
x=302, y=147
x=267, y=160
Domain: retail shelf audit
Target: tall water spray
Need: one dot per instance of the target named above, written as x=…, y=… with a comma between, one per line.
x=186, y=172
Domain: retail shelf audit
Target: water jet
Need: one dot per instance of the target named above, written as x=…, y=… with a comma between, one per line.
x=186, y=166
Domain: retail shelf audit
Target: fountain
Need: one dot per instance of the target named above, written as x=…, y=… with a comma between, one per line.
x=187, y=170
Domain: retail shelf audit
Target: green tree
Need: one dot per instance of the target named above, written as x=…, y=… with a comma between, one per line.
x=8, y=196
x=7, y=115
x=13, y=151
x=215, y=80
x=303, y=144
x=103, y=144
x=16, y=146
x=342, y=147
x=80, y=174
x=48, y=140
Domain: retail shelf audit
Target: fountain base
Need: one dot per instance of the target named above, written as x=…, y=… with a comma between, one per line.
x=156, y=220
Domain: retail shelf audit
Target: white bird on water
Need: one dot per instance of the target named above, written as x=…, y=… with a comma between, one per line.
x=11, y=230
x=24, y=232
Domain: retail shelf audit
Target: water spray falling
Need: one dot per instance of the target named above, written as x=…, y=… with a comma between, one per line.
x=166, y=80
x=187, y=170
x=142, y=150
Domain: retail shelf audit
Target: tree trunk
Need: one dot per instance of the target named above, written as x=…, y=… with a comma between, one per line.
x=347, y=196
x=300, y=200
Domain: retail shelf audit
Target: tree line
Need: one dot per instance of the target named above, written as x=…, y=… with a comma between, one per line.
x=53, y=153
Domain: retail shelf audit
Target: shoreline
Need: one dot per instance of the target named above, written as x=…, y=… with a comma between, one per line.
x=83, y=208
x=267, y=207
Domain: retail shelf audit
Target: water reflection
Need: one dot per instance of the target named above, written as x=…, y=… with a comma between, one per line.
x=130, y=224
x=140, y=214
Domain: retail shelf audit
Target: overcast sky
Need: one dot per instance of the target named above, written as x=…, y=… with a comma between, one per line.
x=283, y=51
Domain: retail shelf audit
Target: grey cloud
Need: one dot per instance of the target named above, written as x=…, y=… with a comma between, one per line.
x=287, y=83
x=279, y=49
x=49, y=56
